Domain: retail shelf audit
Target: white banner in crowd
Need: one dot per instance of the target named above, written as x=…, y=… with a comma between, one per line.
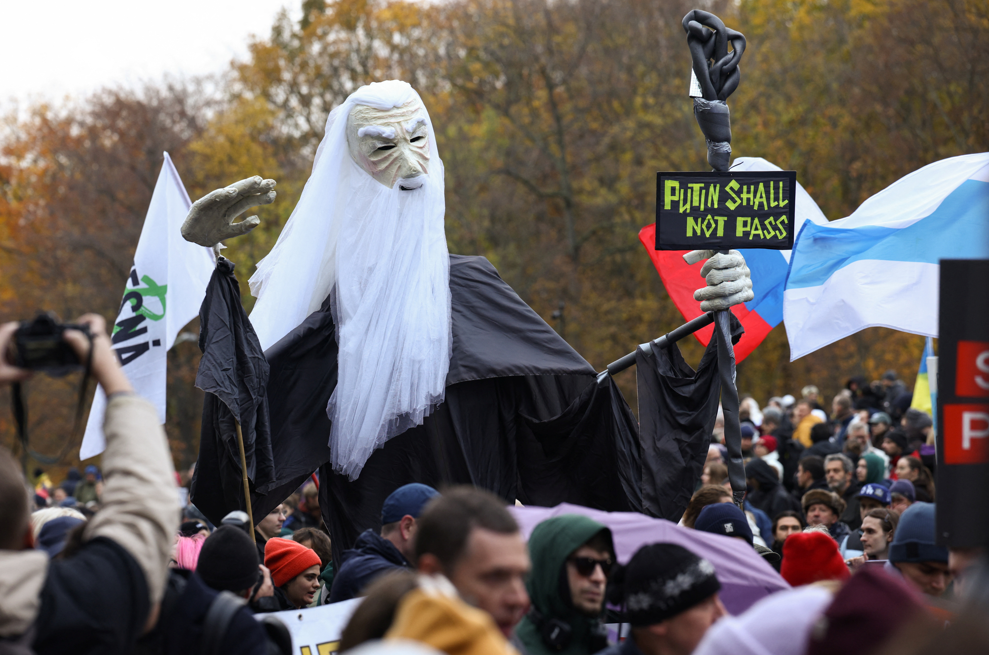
x=163, y=292
x=317, y=630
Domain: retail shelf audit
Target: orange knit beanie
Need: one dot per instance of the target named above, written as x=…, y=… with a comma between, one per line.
x=287, y=559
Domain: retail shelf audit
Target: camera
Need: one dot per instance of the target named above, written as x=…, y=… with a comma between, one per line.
x=38, y=346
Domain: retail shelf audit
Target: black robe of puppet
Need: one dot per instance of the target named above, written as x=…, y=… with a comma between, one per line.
x=524, y=416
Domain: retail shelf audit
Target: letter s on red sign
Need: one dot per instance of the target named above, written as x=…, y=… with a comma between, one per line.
x=972, y=378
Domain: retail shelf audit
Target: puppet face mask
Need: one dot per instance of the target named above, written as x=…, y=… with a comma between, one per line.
x=391, y=145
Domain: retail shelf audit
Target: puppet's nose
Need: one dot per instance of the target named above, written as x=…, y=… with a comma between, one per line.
x=410, y=167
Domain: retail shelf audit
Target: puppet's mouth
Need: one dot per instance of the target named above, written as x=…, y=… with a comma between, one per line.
x=412, y=183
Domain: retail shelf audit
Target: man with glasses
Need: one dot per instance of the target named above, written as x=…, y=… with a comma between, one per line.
x=571, y=560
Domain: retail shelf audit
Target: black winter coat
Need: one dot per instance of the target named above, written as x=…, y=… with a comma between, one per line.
x=771, y=497
x=371, y=556
x=822, y=449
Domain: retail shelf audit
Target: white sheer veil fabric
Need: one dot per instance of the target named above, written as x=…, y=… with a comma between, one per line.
x=383, y=254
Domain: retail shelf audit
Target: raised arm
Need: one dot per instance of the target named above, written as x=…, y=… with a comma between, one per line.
x=140, y=505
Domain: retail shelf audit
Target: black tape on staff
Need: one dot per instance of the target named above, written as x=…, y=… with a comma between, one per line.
x=716, y=69
x=718, y=74
x=729, y=405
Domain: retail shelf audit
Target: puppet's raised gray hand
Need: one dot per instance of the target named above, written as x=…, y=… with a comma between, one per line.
x=728, y=280
x=210, y=219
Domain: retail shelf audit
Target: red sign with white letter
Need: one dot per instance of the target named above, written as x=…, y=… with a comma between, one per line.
x=972, y=377
x=966, y=434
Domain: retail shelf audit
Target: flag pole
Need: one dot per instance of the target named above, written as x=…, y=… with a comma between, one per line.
x=729, y=405
x=691, y=326
x=707, y=38
x=243, y=470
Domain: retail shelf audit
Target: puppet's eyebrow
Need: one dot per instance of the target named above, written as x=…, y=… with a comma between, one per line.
x=377, y=130
x=411, y=126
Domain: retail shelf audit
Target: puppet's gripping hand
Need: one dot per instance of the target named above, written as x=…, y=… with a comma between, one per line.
x=728, y=279
x=210, y=219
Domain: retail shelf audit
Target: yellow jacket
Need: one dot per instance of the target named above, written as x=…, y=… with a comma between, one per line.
x=447, y=624
x=802, y=433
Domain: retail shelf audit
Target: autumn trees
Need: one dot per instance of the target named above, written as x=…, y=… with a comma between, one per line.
x=75, y=184
x=552, y=118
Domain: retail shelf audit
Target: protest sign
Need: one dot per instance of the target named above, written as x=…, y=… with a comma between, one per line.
x=317, y=630
x=721, y=211
x=963, y=405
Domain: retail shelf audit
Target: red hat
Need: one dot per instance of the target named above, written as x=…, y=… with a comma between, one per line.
x=769, y=442
x=287, y=559
x=811, y=556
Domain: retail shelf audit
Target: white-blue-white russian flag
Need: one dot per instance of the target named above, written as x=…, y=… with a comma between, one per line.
x=880, y=266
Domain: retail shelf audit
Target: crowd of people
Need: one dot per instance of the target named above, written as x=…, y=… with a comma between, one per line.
x=852, y=472
x=840, y=504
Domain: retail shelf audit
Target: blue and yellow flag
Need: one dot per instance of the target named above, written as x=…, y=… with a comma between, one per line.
x=922, y=387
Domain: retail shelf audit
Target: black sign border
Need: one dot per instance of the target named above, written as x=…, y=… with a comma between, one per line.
x=715, y=244
x=962, y=507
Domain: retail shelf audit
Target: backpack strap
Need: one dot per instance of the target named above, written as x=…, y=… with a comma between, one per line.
x=221, y=612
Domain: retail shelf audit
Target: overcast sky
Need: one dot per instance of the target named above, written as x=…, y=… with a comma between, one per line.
x=51, y=48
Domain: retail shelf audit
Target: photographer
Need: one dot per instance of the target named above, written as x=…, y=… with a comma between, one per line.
x=104, y=591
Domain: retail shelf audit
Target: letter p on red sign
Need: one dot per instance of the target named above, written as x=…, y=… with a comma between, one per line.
x=972, y=380
x=966, y=434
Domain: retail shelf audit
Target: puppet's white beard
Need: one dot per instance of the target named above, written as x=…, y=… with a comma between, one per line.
x=391, y=305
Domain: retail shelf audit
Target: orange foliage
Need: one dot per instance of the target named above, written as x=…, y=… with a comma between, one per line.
x=552, y=118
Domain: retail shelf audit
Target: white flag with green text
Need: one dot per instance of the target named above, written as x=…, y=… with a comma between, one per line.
x=163, y=292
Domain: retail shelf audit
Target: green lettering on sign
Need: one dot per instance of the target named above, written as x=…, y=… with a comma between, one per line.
x=781, y=226
x=756, y=229
x=671, y=192
x=761, y=196
x=715, y=210
x=731, y=188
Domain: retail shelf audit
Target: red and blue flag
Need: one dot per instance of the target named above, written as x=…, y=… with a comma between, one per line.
x=768, y=267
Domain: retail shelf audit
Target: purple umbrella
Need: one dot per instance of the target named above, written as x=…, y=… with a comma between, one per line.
x=745, y=577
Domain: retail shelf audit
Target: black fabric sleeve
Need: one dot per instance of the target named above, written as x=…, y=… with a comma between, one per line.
x=95, y=601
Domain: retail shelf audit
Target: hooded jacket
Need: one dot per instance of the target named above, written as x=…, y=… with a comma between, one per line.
x=447, y=624
x=770, y=497
x=550, y=544
x=97, y=599
x=875, y=467
x=371, y=556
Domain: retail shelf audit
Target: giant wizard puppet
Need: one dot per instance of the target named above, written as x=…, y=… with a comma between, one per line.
x=377, y=358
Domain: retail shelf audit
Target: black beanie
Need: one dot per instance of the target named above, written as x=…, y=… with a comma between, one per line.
x=663, y=580
x=228, y=560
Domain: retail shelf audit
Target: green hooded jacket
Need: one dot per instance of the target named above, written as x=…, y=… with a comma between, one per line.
x=551, y=543
x=876, y=469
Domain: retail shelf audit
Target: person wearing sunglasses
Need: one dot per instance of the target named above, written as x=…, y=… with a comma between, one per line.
x=572, y=556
